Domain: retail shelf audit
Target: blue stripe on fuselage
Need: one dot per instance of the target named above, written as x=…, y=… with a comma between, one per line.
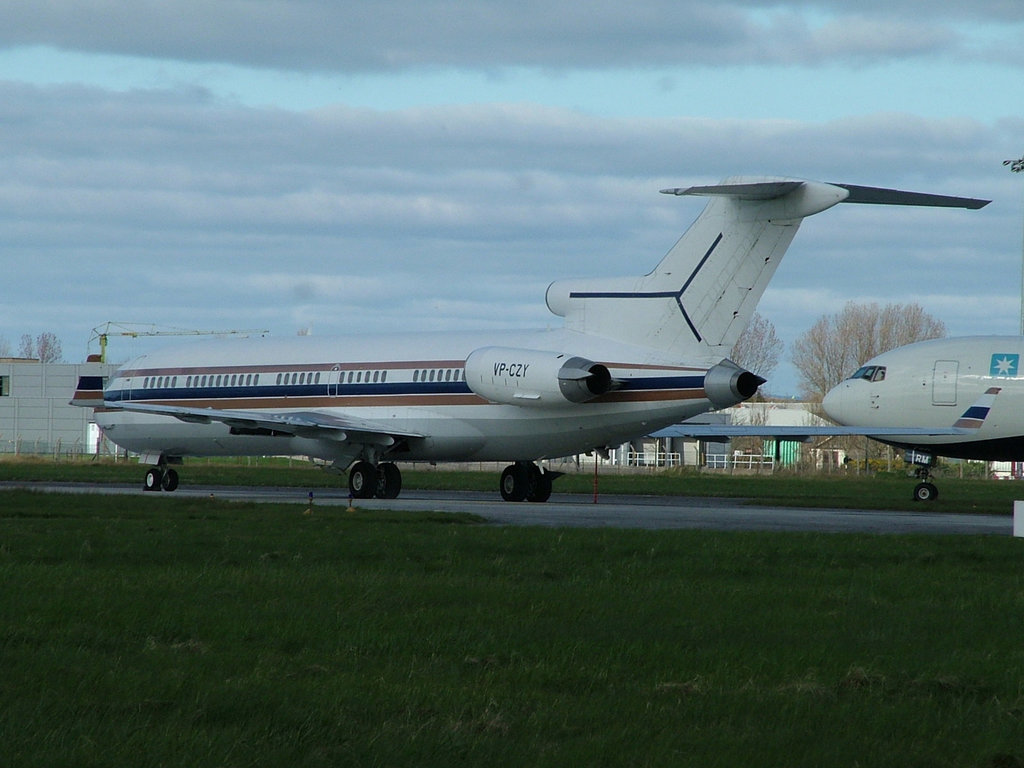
x=168, y=394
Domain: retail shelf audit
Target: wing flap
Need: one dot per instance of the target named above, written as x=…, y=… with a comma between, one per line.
x=313, y=424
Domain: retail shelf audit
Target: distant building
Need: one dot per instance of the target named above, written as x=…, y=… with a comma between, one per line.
x=755, y=452
x=35, y=417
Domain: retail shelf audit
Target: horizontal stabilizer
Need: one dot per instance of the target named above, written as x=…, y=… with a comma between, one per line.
x=765, y=190
x=882, y=196
x=770, y=190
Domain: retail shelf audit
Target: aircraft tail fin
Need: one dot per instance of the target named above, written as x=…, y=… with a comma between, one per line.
x=976, y=414
x=704, y=291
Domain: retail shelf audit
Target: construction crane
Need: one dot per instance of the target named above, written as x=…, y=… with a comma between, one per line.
x=135, y=330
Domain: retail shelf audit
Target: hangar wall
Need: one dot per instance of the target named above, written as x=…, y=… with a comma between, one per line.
x=35, y=417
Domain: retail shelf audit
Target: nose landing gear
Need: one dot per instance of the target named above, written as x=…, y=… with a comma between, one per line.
x=924, y=490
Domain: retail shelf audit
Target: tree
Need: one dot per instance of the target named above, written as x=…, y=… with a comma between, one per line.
x=46, y=348
x=758, y=348
x=836, y=345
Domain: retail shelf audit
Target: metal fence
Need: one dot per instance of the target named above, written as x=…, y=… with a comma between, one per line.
x=749, y=462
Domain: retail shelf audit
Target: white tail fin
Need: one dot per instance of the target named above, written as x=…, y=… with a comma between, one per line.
x=976, y=414
x=704, y=292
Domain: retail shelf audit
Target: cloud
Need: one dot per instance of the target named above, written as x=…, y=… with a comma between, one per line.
x=167, y=207
x=392, y=35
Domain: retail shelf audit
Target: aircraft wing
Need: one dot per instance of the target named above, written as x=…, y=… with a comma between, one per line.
x=312, y=424
x=968, y=423
x=797, y=434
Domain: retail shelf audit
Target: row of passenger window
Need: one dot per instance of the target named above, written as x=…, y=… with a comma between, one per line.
x=363, y=377
x=298, y=378
x=253, y=379
x=443, y=374
x=209, y=380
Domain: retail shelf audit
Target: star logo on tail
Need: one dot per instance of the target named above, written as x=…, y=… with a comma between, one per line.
x=1004, y=365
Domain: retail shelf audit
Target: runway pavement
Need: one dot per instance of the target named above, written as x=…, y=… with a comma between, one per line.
x=579, y=511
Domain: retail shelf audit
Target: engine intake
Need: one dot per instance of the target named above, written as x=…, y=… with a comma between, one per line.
x=726, y=384
x=532, y=377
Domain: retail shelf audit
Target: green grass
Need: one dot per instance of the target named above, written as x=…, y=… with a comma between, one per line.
x=881, y=491
x=168, y=631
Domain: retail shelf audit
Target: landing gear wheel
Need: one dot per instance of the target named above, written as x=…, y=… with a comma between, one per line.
x=925, y=492
x=154, y=479
x=389, y=481
x=515, y=482
x=362, y=480
x=540, y=485
x=169, y=481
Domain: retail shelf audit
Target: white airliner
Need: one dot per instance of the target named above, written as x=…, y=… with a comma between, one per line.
x=635, y=354
x=927, y=385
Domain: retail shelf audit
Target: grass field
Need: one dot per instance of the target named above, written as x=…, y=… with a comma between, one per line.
x=160, y=630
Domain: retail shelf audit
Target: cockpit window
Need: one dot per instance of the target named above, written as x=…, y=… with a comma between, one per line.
x=870, y=373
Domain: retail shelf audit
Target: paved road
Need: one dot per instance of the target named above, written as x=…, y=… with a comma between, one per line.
x=579, y=511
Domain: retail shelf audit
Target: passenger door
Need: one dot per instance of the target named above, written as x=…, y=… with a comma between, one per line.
x=944, y=382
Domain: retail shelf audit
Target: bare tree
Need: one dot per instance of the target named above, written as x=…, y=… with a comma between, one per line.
x=758, y=348
x=836, y=345
x=48, y=348
x=5, y=347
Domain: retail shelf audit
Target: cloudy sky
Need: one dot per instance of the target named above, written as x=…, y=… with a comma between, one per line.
x=431, y=164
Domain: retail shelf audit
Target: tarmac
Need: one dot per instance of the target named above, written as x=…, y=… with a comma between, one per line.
x=610, y=511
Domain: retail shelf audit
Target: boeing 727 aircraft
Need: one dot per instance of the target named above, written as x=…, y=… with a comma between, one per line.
x=925, y=385
x=635, y=354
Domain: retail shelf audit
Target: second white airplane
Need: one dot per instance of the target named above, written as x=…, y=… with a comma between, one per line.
x=928, y=385
x=635, y=354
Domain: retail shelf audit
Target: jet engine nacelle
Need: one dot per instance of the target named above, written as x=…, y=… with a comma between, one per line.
x=726, y=384
x=532, y=377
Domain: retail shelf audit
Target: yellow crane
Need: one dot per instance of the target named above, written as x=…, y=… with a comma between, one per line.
x=134, y=330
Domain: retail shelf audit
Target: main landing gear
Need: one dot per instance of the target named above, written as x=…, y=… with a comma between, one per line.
x=160, y=478
x=522, y=481
x=525, y=481
x=366, y=481
x=924, y=490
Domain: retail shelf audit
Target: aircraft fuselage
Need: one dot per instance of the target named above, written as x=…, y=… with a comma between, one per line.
x=417, y=385
x=929, y=383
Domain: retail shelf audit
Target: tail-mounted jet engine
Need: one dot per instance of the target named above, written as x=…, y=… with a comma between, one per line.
x=726, y=384
x=531, y=377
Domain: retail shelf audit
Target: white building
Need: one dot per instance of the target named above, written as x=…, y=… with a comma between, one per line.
x=35, y=414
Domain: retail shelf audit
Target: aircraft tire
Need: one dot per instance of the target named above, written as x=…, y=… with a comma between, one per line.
x=925, y=492
x=362, y=480
x=540, y=485
x=169, y=482
x=153, y=480
x=515, y=482
x=389, y=481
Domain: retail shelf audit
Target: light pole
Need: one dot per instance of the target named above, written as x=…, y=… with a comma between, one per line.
x=1017, y=166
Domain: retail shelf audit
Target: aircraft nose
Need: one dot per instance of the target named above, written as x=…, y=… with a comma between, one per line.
x=834, y=403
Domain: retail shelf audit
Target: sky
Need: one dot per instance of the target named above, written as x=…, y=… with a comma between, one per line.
x=356, y=167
